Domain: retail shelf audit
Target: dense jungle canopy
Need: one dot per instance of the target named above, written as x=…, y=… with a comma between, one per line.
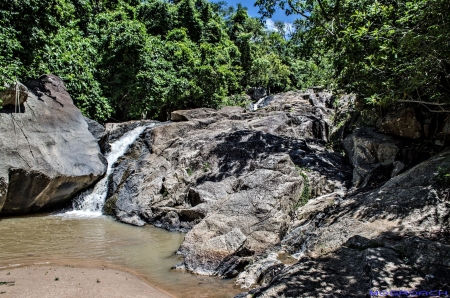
x=122, y=59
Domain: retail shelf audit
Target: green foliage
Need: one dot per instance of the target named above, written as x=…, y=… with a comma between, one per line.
x=121, y=41
x=189, y=171
x=306, y=193
x=73, y=58
x=240, y=100
x=316, y=70
x=157, y=16
x=443, y=176
x=10, y=65
x=127, y=59
x=385, y=51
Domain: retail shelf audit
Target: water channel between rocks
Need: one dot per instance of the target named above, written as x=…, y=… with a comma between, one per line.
x=147, y=251
x=85, y=237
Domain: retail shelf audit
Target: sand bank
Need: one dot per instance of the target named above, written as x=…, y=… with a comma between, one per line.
x=68, y=281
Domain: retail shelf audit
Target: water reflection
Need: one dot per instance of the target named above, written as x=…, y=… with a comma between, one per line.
x=147, y=251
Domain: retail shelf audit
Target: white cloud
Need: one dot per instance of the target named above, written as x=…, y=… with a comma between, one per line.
x=288, y=27
x=270, y=25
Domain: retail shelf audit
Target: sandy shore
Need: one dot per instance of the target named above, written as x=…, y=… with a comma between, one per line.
x=68, y=281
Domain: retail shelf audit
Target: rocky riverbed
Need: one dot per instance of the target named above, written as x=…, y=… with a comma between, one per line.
x=305, y=196
x=250, y=187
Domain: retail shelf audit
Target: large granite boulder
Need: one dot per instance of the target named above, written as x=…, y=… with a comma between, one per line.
x=232, y=179
x=373, y=156
x=402, y=122
x=47, y=152
x=253, y=214
x=389, y=239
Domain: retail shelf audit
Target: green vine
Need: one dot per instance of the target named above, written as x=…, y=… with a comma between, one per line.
x=306, y=193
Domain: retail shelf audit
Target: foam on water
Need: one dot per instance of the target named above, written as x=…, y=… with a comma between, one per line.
x=90, y=203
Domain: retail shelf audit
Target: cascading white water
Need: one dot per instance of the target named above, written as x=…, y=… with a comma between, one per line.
x=90, y=203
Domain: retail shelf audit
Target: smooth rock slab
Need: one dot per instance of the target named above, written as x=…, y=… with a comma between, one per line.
x=210, y=253
x=47, y=152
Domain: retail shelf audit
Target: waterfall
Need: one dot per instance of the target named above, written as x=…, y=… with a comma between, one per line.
x=90, y=202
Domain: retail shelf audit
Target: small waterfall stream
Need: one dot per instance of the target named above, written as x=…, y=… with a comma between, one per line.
x=90, y=203
x=84, y=237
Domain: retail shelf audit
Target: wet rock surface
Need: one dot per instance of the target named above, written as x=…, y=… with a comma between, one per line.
x=114, y=131
x=47, y=152
x=232, y=179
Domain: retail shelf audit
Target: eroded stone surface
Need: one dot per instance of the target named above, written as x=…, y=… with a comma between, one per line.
x=235, y=180
x=371, y=154
x=393, y=237
x=232, y=178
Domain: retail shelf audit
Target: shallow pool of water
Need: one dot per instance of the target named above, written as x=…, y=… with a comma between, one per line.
x=148, y=252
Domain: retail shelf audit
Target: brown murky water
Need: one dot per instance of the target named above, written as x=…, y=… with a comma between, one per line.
x=148, y=252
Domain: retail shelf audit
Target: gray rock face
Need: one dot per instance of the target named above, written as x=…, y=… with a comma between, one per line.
x=254, y=273
x=368, y=152
x=186, y=115
x=233, y=179
x=98, y=131
x=115, y=130
x=247, y=218
x=391, y=238
x=402, y=123
x=347, y=272
x=316, y=99
x=47, y=152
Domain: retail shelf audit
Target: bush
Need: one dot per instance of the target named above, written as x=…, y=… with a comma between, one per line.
x=443, y=176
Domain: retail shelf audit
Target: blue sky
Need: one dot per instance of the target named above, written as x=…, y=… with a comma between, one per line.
x=253, y=11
